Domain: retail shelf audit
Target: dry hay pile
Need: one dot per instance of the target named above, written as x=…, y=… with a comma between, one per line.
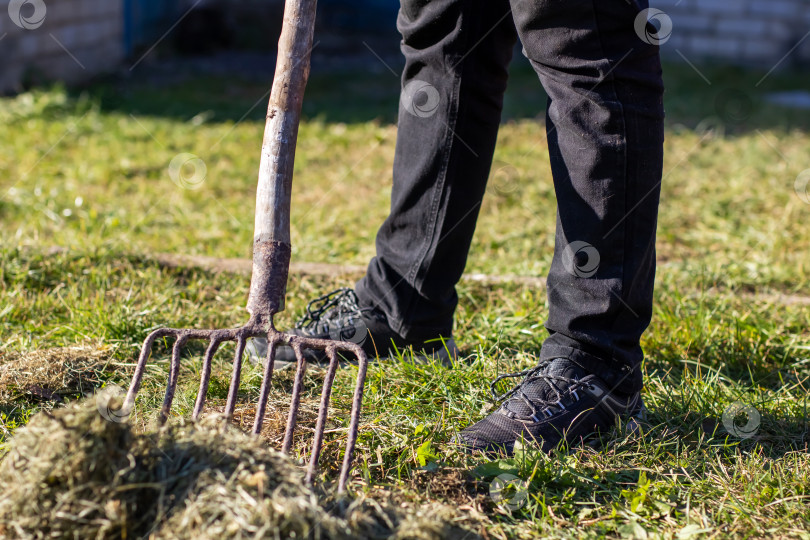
x=49, y=374
x=72, y=474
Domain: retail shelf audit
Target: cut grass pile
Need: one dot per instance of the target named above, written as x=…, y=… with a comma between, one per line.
x=73, y=473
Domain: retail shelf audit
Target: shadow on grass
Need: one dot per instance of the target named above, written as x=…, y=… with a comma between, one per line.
x=749, y=428
x=233, y=87
x=588, y=487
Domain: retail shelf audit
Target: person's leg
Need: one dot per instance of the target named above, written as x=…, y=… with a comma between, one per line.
x=456, y=54
x=605, y=138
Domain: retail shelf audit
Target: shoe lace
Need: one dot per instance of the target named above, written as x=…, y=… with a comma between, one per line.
x=568, y=387
x=329, y=307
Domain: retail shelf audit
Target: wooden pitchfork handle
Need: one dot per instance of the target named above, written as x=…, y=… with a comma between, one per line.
x=271, y=237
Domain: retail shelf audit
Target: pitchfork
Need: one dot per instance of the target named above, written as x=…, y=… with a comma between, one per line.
x=271, y=261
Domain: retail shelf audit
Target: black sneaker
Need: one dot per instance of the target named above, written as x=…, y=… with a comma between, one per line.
x=338, y=316
x=555, y=400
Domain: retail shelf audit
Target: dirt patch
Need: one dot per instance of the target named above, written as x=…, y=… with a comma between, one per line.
x=244, y=267
x=71, y=473
x=455, y=486
x=275, y=425
x=50, y=374
x=275, y=418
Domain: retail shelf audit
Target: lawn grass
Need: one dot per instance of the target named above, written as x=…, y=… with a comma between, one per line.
x=86, y=170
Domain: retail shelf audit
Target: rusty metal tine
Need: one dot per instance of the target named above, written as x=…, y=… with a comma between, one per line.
x=354, y=422
x=174, y=372
x=323, y=412
x=272, y=341
x=296, y=397
x=230, y=405
x=205, y=377
x=140, y=368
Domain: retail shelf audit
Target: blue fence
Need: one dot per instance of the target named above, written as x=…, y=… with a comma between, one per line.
x=362, y=15
x=146, y=20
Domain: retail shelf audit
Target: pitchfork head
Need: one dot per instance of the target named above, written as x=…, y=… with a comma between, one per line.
x=263, y=303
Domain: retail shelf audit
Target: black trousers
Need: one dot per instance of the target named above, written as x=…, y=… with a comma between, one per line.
x=605, y=132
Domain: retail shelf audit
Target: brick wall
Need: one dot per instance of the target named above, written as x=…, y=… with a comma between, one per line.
x=67, y=40
x=753, y=32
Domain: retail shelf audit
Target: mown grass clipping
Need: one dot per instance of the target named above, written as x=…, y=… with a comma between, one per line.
x=71, y=473
x=50, y=374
